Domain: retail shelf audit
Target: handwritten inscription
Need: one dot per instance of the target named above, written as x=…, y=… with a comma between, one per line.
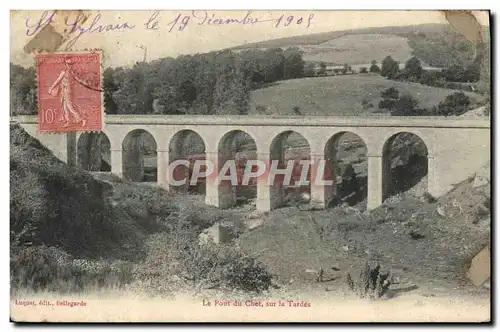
x=81, y=24
x=203, y=17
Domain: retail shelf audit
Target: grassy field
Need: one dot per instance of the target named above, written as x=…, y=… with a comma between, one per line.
x=338, y=95
x=359, y=49
x=438, y=45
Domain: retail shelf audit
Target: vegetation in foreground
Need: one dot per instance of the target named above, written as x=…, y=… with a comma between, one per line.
x=70, y=232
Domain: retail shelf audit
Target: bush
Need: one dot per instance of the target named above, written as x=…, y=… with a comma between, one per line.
x=454, y=104
x=42, y=268
x=363, y=70
x=406, y=105
x=432, y=78
x=261, y=108
x=369, y=282
x=374, y=69
x=366, y=103
x=180, y=257
x=390, y=93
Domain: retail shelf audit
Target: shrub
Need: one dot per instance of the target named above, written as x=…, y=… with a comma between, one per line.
x=369, y=282
x=390, y=93
x=42, y=268
x=363, y=70
x=261, y=108
x=374, y=68
x=204, y=266
x=406, y=105
x=432, y=78
x=366, y=103
x=454, y=104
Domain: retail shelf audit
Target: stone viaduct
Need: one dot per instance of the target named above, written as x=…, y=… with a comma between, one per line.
x=456, y=147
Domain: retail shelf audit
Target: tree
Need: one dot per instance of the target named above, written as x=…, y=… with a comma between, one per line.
x=484, y=63
x=109, y=87
x=413, y=69
x=134, y=93
x=293, y=64
x=374, y=68
x=406, y=105
x=390, y=93
x=346, y=68
x=390, y=68
x=389, y=97
x=322, y=68
x=472, y=73
x=400, y=105
x=455, y=73
x=454, y=104
x=309, y=69
x=23, y=92
x=432, y=78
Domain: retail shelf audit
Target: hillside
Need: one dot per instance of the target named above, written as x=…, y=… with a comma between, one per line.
x=338, y=95
x=437, y=45
x=427, y=244
x=358, y=49
x=74, y=231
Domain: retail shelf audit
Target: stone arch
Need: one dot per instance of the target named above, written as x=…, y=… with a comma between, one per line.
x=94, y=152
x=140, y=156
x=240, y=146
x=346, y=154
x=188, y=145
x=404, y=164
x=289, y=145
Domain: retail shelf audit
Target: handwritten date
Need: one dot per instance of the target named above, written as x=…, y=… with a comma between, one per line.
x=202, y=17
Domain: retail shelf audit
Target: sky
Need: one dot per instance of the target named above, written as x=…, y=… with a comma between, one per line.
x=166, y=35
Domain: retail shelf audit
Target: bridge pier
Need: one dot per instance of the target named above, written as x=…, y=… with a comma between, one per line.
x=431, y=181
x=321, y=181
x=162, y=156
x=263, y=202
x=117, y=161
x=221, y=194
x=375, y=185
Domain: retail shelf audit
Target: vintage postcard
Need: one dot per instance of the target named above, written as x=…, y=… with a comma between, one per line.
x=250, y=166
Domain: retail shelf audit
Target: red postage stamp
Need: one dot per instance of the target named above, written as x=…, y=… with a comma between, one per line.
x=69, y=92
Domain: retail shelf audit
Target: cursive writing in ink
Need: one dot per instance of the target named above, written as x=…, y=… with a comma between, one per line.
x=95, y=27
x=42, y=21
x=152, y=23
